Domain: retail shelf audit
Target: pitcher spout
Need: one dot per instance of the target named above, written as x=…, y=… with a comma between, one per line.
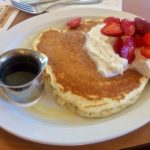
x=43, y=59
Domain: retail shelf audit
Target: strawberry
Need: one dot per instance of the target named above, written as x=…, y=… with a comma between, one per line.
x=128, y=27
x=127, y=50
x=74, y=23
x=142, y=26
x=111, y=19
x=146, y=39
x=117, y=45
x=145, y=51
x=112, y=29
x=138, y=40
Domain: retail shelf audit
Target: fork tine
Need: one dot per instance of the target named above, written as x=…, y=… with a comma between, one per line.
x=23, y=7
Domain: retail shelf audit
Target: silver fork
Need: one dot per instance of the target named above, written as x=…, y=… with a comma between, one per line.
x=40, y=8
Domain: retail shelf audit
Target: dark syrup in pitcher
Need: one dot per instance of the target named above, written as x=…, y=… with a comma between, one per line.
x=19, y=71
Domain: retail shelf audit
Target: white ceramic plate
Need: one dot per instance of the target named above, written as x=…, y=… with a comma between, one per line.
x=47, y=122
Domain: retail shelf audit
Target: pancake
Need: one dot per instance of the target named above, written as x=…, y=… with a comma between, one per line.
x=74, y=77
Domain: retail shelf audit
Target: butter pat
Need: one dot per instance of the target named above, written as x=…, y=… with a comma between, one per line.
x=100, y=50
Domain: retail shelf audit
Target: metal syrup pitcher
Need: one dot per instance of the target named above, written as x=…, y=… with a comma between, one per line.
x=22, y=75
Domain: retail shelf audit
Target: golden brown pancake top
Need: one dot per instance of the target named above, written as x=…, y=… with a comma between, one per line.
x=76, y=72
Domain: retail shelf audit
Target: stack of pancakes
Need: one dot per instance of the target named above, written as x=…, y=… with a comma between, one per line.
x=74, y=77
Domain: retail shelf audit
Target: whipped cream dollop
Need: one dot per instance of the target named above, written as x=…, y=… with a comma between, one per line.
x=100, y=50
x=141, y=64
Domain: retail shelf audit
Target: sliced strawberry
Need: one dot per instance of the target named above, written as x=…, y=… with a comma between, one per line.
x=138, y=40
x=145, y=51
x=128, y=27
x=117, y=45
x=146, y=39
x=72, y=24
x=112, y=29
x=142, y=26
x=128, y=49
x=111, y=19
